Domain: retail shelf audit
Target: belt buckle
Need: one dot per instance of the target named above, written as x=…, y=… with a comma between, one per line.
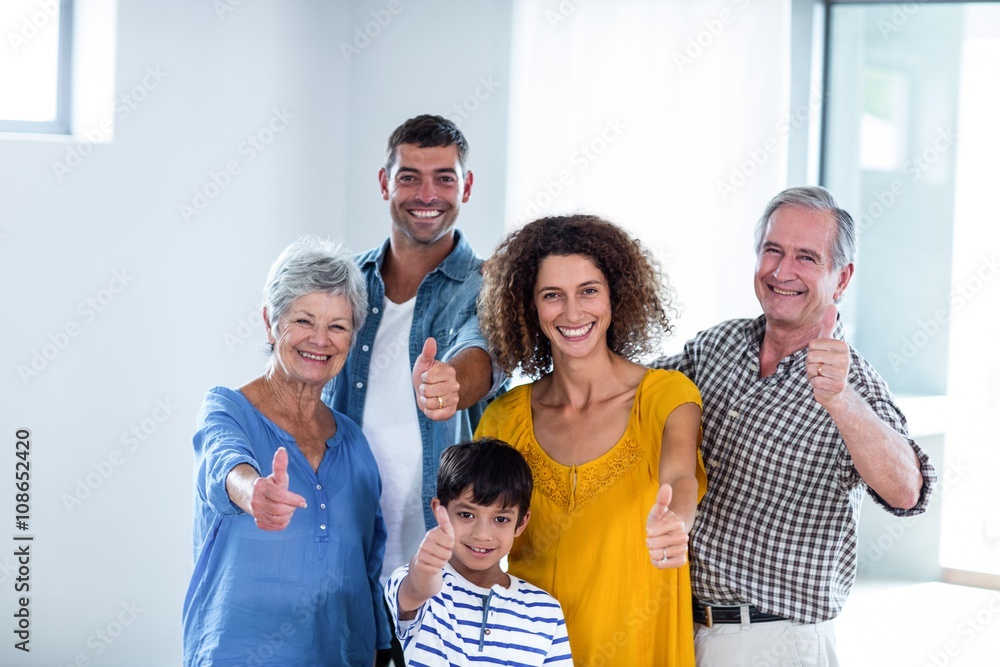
x=708, y=615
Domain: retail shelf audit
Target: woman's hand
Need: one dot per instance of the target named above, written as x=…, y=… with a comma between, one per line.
x=666, y=537
x=271, y=503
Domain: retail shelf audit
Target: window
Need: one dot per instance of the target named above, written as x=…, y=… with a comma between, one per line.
x=910, y=148
x=35, y=66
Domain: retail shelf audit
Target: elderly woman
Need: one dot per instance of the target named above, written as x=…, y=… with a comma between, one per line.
x=572, y=302
x=288, y=536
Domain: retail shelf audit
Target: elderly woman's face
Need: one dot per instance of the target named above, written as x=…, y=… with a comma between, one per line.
x=314, y=337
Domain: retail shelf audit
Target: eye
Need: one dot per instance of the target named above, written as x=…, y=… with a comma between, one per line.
x=548, y=296
x=406, y=178
x=502, y=519
x=590, y=290
x=303, y=322
x=338, y=327
x=447, y=179
x=466, y=515
x=808, y=258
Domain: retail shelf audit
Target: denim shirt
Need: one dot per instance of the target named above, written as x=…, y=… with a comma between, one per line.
x=445, y=309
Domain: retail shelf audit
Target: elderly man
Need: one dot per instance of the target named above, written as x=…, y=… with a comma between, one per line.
x=416, y=377
x=797, y=425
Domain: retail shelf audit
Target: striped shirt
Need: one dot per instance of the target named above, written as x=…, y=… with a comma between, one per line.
x=465, y=624
x=778, y=527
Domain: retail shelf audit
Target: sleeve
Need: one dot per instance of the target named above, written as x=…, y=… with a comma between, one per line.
x=876, y=393
x=221, y=443
x=404, y=629
x=470, y=336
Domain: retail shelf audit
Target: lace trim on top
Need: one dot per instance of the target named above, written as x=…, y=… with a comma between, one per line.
x=556, y=481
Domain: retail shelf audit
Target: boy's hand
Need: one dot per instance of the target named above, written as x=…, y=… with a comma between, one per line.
x=423, y=581
x=437, y=547
x=666, y=538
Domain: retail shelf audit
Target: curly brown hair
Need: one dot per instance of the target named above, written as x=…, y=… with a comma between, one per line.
x=641, y=297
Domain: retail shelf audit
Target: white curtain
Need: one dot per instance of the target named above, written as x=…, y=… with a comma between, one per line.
x=670, y=118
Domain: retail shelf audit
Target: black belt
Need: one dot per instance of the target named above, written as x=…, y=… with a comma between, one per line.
x=708, y=614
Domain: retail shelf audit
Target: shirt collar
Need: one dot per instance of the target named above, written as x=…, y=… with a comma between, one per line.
x=457, y=265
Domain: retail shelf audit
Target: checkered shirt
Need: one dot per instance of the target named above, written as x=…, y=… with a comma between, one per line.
x=778, y=526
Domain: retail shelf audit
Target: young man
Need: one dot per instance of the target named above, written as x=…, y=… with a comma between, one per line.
x=797, y=427
x=453, y=601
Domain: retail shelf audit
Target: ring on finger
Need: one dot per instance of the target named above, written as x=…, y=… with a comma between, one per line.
x=665, y=557
x=819, y=371
x=440, y=402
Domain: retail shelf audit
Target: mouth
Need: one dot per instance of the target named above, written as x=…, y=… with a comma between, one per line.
x=579, y=332
x=479, y=551
x=425, y=213
x=782, y=292
x=314, y=357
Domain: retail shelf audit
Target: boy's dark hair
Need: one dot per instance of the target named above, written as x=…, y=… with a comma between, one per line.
x=426, y=132
x=494, y=471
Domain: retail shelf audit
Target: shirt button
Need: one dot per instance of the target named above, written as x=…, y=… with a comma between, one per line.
x=322, y=506
x=713, y=463
x=486, y=632
x=360, y=385
x=375, y=310
x=734, y=413
x=364, y=347
x=319, y=487
x=322, y=526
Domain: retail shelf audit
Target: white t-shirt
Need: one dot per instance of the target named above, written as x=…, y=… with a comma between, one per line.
x=390, y=423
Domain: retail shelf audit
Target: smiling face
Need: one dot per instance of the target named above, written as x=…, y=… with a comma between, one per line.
x=425, y=191
x=313, y=338
x=573, y=302
x=483, y=535
x=795, y=277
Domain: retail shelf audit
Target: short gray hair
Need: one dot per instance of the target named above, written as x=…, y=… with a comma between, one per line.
x=845, y=243
x=314, y=265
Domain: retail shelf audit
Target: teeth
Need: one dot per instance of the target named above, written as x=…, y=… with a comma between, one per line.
x=317, y=357
x=576, y=333
x=481, y=551
x=784, y=292
x=425, y=214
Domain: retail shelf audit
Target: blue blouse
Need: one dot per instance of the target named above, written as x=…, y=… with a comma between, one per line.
x=305, y=595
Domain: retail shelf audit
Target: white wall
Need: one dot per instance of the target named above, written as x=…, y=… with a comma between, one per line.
x=160, y=335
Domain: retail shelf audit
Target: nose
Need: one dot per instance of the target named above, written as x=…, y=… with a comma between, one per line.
x=319, y=336
x=480, y=530
x=573, y=309
x=779, y=273
x=426, y=194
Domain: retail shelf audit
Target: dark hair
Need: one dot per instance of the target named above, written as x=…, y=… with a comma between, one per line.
x=641, y=298
x=426, y=131
x=494, y=471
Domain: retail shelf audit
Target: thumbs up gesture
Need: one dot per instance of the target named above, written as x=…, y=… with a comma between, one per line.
x=666, y=537
x=828, y=361
x=434, y=552
x=271, y=503
x=435, y=384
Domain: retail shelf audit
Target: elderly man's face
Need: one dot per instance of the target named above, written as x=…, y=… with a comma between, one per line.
x=425, y=190
x=795, y=278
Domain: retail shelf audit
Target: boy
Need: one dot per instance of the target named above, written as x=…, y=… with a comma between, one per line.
x=453, y=601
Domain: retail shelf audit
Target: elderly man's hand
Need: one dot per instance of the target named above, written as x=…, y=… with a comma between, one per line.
x=271, y=503
x=828, y=362
x=435, y=384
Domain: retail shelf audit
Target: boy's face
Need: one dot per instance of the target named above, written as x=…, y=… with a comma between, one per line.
x=483, y=535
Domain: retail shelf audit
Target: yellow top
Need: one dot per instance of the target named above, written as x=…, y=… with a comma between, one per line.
x=586, y=540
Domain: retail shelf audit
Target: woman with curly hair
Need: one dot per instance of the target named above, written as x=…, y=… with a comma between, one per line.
x=573, y=302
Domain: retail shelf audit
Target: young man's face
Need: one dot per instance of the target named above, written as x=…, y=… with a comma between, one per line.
x=425, y=190
x=483, y=535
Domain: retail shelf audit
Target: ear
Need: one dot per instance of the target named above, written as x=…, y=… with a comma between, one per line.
x=267, y=327
x=842, y=280
x=435, y=503
x=467, y=187
x=524, y=523
x=383, y=183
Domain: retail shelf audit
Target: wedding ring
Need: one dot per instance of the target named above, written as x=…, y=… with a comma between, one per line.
x=440, y=402
x=664, y=559
x=819, y=371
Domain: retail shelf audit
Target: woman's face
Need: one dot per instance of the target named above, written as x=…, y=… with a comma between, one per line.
x=573, y=302
x=314, y=337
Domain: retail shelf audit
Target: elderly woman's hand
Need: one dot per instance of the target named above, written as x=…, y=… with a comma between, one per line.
x=271, y=503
